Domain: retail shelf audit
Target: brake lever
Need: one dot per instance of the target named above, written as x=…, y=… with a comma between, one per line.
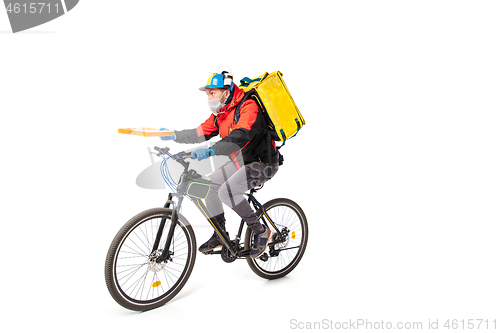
x=162, y=151
x=182, y=154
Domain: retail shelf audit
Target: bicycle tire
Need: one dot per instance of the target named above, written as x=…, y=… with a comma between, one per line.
x=285, y=213
x=126, y=250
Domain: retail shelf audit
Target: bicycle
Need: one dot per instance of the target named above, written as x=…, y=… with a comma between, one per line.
x=152, y=256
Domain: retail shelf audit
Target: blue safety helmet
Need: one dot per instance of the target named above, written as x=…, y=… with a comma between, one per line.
x=220, y=81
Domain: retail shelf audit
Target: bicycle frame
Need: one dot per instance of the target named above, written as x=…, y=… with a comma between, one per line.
x=152, y=256
x=234, y=248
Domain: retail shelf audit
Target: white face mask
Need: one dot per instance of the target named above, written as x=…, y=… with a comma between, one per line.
x=215, y=104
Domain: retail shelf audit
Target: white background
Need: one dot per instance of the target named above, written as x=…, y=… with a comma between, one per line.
x=397, y=167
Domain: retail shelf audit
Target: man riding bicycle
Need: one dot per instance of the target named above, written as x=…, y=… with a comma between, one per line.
x=253, y=154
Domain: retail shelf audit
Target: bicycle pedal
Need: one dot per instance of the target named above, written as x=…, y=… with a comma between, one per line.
x=212, y=252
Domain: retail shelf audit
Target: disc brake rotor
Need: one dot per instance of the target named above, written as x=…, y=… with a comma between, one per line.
x=153, y=265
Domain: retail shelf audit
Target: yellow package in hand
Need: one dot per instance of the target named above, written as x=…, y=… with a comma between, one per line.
x=279, y=109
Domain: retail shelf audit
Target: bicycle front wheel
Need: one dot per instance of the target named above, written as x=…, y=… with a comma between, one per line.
x=282, y=256
x=133, y=277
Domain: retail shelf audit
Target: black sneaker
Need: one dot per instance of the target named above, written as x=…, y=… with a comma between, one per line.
x=213, y=243
x=260, y=242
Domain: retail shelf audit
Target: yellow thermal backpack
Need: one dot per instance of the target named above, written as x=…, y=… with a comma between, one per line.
x=271, y=94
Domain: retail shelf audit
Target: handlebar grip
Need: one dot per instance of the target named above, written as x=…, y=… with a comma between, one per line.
x=162, y=150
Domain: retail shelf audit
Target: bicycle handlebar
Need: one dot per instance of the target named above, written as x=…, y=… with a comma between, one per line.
x=166, y=152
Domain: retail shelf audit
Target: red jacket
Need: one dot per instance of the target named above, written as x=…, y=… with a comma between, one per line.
x=249, y=136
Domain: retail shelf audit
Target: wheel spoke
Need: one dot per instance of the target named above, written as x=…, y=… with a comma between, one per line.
x=138, y=277
x=288, y=252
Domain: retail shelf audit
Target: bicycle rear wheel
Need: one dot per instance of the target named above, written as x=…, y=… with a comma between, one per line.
x=281, y=258
x=133, y=277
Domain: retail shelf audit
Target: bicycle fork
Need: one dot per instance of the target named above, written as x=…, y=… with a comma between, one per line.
x=166, y=254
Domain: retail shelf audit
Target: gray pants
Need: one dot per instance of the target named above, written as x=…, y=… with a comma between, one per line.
x=235, y=182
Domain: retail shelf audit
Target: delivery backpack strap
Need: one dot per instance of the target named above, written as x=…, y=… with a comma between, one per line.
x=251, y=94
x=237, y=112
x=246, y=81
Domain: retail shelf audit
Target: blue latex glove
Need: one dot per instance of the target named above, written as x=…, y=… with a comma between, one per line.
x=202, y=153
x=166, y=138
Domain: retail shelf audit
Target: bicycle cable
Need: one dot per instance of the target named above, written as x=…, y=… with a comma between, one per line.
x=167, y=177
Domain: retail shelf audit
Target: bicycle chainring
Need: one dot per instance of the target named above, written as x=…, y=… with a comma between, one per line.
x=226, y=255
